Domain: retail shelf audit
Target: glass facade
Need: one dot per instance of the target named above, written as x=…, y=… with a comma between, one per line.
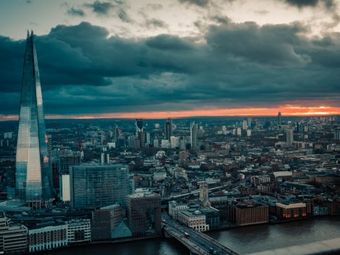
x=33, y=175
x=94, y=186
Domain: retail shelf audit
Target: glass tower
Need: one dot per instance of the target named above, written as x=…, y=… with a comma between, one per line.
x=33, y=175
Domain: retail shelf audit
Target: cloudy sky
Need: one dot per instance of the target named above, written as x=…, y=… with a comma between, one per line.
x=168, y=58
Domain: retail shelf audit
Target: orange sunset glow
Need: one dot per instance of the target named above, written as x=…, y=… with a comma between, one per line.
x=287, y=110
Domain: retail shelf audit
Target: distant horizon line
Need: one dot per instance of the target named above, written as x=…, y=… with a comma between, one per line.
x=131, y=116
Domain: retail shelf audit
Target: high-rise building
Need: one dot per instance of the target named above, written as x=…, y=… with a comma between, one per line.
x=244, y=124
x=33, y=172
x=193, y=135
x=94, y=186
x=144, y=213
x=13, y=237
x=279, y=119
x=140, y=134
x=337, y=134
x=204, y=194
x=168, y=129
x=289, y=136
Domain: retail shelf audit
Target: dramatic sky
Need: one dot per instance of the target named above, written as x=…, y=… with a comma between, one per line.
x=168, y=58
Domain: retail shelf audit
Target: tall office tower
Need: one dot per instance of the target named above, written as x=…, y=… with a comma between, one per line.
x=337, y=134
x=116, y=134
x=204, y=194
x=33, y=172
x=193, y=135
x=94, y=186
x=244, y=124
x=289, y=136
x=140, y=134
x=168, y=129
x=279, y=119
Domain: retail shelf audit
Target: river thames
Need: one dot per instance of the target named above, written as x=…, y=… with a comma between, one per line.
x=242, y=240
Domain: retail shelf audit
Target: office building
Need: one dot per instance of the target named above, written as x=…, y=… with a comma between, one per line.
x=337, y=134
x=193, y=135
x=65, y=192
x=33, y=172
x=289, y=136
x=140, y=134
x=105, y=220
x=204, y=194
x=168, y=129
x=279, y=119
x=94, y=186
x=144, y=213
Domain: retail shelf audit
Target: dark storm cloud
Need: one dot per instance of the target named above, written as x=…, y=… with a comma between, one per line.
x=75, y=12
x=116, y=7
x=84, y=70
x=310, y=3
x=155, y=23
x=101, y=8
x=196, y=2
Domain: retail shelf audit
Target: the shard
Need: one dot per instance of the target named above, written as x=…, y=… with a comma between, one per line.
x=33, y=174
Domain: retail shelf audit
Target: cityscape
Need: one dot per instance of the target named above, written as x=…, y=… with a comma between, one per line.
x=170, y=158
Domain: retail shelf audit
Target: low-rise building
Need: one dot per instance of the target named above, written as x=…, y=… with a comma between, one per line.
x=194, y=219
x=78, y=231
x=291, y=211
x=47, y=238
x=13, y=237
x=175, y=209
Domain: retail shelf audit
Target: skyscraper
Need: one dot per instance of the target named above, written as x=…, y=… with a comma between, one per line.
x=289, y=136
x=279, y=119
x=140, y=133
x=193, y=135
x=168, y=129
x=33, y=172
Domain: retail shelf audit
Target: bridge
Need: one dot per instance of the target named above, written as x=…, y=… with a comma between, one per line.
x=198, y=243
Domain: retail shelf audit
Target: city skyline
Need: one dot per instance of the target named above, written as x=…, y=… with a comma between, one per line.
x=119, y=59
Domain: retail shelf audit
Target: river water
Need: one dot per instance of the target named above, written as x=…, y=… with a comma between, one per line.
x=242, y=240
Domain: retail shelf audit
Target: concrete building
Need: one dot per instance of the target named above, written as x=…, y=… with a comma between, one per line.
x=204, y=194
x=13, y=237
x=47, y=238
x=105, y=220
x=247, y=212
x=65, y=192
x=291, y=211
x=78, y=231
x=175, y=209
x=194, y=219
